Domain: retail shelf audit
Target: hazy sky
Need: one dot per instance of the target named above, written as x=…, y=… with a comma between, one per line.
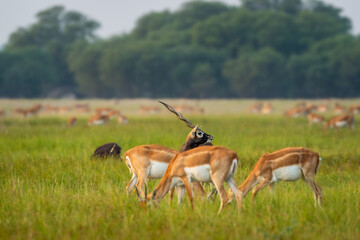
x=117, y=16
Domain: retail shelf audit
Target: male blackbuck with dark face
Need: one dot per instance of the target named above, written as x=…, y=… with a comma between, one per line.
x=288, y=164
x=203, y=164
x=151, y=161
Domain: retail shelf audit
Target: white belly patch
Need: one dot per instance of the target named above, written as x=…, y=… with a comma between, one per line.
x=289, y=173
x=199, y=173
x=341, y=124
x=157, y=169
x=98, y=122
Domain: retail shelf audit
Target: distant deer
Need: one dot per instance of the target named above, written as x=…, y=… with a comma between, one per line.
x=315, y=119
x=341, y=121
x=72, y=121
x=98, y=120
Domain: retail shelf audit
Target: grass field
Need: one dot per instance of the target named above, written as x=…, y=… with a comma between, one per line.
x=49, y=189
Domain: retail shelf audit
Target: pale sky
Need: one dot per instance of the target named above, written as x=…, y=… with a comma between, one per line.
x=117, y=16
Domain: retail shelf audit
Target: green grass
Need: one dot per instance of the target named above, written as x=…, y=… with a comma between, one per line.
x=49, y=189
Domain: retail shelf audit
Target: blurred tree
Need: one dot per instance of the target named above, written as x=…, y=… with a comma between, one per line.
x=264, y=48
x=257, y=74
x=194, y=11
x=25, y=73
x=278, y=31
x=54, y=32
x=151, y=22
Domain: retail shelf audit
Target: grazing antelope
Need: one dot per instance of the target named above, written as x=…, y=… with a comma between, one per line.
x=267, y=108
x=213, y=164
x=341, y=121
x=113, y=113
x=355, y=109
x=2, y=112
x=98, y=120
x=82, y=108
x=288, y=164
x=151, y=161
x=255, y=108
x=322, y=108
x=122, y=119
x=64, y=110
x=103, y=110
x=315, y=118
x=32, y=111
x=299, y=111
x=51, y=109
x=72, y=121
x=149, y=109
x=338, y=109
x=184, y=108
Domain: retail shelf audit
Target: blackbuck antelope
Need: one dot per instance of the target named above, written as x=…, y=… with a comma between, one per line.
x=213, y=164
x=288, y=164
x=341, y=121
x=98, y=120
x=267, y=108
x=322, y=108
x=72, y=121
x=338, y=109
x=122, y=119
x=355, y=109
x=151, y=161
x=256, y=107
x=315, y=119
x=149, y=109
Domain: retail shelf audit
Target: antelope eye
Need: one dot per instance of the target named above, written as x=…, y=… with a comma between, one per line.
x=200, y=134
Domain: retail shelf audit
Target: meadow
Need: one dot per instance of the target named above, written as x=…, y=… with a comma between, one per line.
x=51, y=190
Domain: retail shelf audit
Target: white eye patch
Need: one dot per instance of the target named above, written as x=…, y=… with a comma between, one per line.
x=199, y=134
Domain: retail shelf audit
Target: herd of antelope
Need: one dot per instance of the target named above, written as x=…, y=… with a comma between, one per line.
x=101, y=115
x=343, y=116
x=198, y=162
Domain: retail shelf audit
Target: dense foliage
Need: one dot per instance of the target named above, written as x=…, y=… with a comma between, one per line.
x=262, y=49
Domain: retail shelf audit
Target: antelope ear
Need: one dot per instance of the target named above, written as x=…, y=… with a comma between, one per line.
x=193, y=133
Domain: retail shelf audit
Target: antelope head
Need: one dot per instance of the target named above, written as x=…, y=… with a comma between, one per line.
x=196, y=137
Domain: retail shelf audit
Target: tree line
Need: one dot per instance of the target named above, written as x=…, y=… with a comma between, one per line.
x=261, y=49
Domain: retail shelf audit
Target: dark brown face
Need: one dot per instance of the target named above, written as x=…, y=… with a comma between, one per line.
x=201, y=137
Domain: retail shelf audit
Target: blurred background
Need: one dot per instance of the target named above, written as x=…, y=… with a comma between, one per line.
x=180, y=49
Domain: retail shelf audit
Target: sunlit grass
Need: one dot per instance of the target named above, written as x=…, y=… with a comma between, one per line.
x=51, y=190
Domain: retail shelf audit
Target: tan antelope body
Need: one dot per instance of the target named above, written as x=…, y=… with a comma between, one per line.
x=72, y=121
x=288, y=164
x=147, y=162
x=213, y=164
x=341, y=121
x=338, y=109
x=355, y=109
x=267, y=108
x=322, y=108
x=98, y=119
x=2, y=113
x=255, y=108
x=151, y=161
x=315, y=118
